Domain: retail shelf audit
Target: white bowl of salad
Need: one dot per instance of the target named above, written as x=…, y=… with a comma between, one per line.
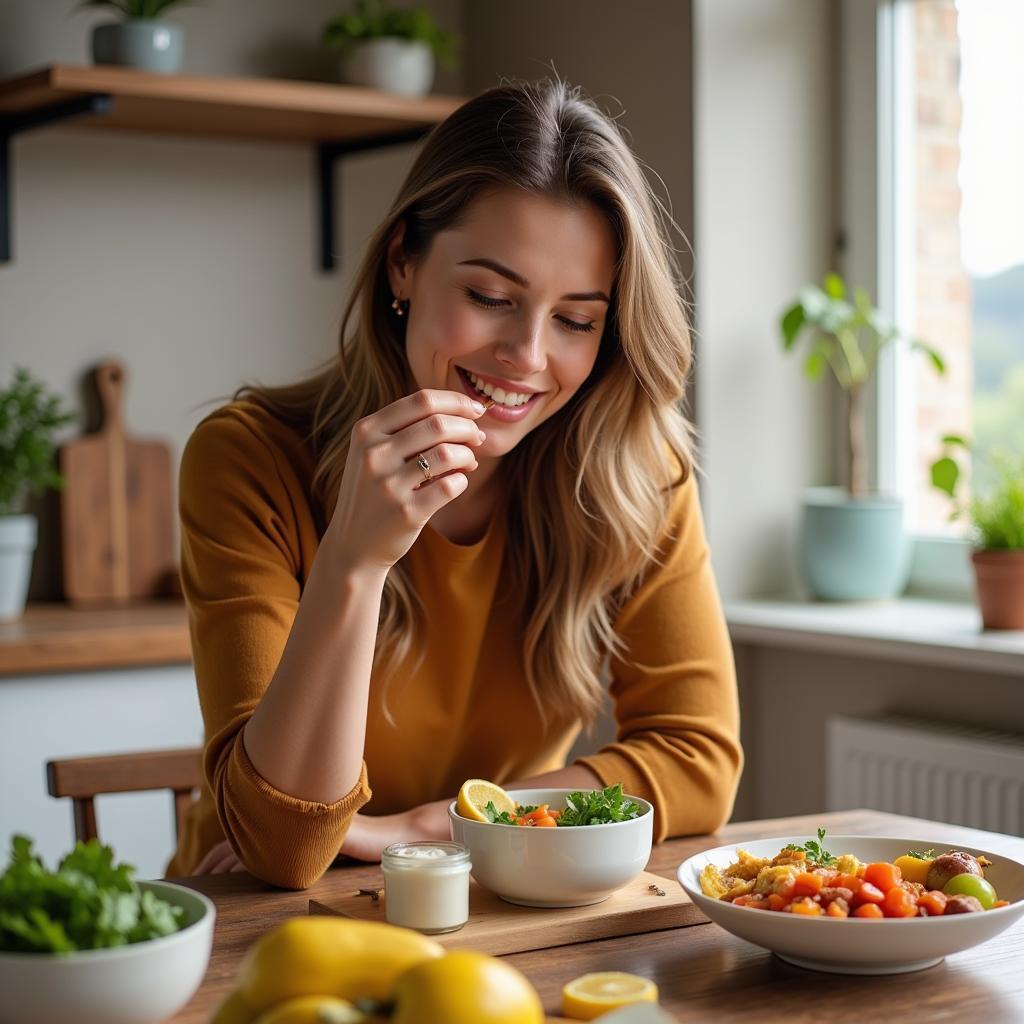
x=552, y=847
x=89, y=944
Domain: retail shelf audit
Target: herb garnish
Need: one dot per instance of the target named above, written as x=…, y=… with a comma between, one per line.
x=87, y=903
x=598, y=807
x=496, y=817
x=816, y=852
x=927, y=855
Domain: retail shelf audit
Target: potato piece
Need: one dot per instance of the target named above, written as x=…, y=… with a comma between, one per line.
x=775, y=878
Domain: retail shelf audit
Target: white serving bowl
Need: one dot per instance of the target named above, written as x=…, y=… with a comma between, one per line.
x=555, y=867
x=142, y=983
x=859, y=945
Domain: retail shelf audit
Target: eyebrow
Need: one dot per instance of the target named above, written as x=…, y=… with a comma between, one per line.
x=500, y=268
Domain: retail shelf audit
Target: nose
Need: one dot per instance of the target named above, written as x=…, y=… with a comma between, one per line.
x=525, y=352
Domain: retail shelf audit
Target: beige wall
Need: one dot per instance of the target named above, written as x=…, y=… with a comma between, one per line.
x=765, y=220
x=194, y=262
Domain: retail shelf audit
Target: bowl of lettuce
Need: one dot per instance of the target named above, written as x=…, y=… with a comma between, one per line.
x=88, y=943
x=601, y=843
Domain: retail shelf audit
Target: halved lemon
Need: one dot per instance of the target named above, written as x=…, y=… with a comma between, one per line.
x=475, y=796
x=591, y=995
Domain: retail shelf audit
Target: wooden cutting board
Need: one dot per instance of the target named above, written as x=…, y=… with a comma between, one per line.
x=116, y=509
x=500, y=928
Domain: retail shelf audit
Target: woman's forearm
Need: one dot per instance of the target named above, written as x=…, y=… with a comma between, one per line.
x=307, y=734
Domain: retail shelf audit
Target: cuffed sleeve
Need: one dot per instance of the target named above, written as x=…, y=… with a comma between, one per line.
x=674, y=688
x=240, y=577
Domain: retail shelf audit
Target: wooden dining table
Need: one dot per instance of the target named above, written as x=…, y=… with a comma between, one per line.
x=703, y=973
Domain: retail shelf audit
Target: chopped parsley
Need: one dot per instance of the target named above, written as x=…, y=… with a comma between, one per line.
x=927, y=855
x=815, y=851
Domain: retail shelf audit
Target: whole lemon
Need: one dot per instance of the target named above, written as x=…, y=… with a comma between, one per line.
x=465, y=988
x=330, y=956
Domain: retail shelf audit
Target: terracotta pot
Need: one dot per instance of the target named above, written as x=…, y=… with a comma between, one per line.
x=1000, y=580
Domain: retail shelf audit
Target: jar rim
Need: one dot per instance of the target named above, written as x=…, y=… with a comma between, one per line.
x=455, y=854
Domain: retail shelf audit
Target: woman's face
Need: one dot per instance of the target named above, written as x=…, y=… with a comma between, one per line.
x=512, y=301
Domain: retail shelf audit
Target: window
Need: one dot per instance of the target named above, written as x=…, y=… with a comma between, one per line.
x=949, y=259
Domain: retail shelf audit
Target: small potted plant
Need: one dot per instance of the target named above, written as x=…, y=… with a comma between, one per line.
x=28, y=419
x=389, y=48
x=141, y=39
x=853, y=546
x=997, y=531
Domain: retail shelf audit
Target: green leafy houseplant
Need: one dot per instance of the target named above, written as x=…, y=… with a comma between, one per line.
x=135, y=9
x=847, y=338
x=373, y=19
x=29, y=417
x=996, y=517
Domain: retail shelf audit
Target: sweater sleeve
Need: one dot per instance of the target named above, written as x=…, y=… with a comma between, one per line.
x=240, y=577
x=674, y=688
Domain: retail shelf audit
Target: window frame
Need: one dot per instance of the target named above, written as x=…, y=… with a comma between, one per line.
x=877, y=109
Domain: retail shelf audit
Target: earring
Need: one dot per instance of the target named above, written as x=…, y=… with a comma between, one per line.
x=396, y=305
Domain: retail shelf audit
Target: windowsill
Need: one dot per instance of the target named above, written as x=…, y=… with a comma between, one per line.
x=916, y=629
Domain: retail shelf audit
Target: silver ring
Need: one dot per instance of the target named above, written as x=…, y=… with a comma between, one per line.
x=421, y=461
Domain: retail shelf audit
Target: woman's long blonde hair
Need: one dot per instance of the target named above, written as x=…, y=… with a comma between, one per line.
x=587, y=491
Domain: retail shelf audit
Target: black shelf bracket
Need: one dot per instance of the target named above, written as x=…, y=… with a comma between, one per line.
x=328, y=154
x=23, y=121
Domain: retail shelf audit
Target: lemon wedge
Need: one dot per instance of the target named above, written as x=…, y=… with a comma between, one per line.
x=475, y=796
x=591, y=995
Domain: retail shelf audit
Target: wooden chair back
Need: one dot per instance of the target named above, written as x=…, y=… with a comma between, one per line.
x=84, y=778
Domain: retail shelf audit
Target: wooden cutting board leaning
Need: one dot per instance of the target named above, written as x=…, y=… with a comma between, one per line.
x=117, y=522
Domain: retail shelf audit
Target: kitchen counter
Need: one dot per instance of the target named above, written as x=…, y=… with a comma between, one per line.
x=58, y=637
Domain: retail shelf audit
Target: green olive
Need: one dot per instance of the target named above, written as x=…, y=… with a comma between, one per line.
x=972, y=885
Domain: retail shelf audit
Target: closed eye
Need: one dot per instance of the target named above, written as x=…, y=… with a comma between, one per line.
x=488, y=303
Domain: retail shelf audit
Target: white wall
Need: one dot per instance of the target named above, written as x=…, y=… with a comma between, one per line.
x=83, y=713
x=193, y=261
x=765, y=217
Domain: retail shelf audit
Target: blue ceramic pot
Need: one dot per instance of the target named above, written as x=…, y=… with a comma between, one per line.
x=853, y=549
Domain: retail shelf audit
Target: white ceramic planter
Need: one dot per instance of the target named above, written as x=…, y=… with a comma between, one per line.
x=17, y=545
x=145, y=43
x=394, y=65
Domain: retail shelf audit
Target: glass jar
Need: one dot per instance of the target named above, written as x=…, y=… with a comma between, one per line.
x=426, y=885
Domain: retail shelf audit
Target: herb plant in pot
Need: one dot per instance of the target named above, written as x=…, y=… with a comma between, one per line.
x=389, y=48
x=997, y=527
x=142, y=39
x=853, y=545
x=28, y=419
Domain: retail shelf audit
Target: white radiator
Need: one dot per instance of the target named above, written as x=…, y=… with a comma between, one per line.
x=958, y=774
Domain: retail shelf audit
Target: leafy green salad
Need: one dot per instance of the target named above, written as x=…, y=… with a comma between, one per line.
x=87, y=903
x=598, y=807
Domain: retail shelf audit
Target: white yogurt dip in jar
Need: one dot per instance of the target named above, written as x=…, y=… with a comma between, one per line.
x=426, y=885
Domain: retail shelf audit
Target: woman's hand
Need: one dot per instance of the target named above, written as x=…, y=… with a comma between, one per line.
x=368, y=836
x=384, y=500
x=219, y=860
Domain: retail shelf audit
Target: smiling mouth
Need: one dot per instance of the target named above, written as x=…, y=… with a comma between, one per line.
x=497, y=396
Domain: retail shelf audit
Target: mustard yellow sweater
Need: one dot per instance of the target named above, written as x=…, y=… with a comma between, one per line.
x=250, y=530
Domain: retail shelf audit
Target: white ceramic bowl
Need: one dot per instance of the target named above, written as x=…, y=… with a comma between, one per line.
x=555, y=867
x=856, y=945
x=141, y=983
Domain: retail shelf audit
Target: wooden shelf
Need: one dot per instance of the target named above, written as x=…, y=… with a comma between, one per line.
x=270, y=110
x=60, y=638
x=337, y=119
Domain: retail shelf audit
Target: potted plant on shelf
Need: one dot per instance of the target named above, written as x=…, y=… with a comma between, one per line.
x=853, y=546
x=142, y=39
x=28, y=419
x=389, y=48
x=997, y=531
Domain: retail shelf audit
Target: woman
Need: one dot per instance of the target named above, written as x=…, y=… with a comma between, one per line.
x=416, y=567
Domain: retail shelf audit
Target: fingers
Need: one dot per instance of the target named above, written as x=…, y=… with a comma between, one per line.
x=220, y=859
x=421, y=405
x=442, y=459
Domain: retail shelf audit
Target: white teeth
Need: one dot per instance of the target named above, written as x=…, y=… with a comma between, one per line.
x=511, y=399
